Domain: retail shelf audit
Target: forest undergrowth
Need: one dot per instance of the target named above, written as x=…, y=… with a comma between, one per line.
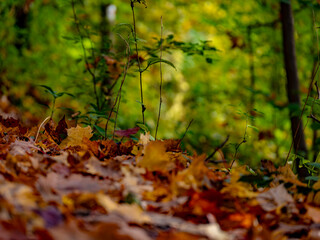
x=56, y=183
x=85, y=178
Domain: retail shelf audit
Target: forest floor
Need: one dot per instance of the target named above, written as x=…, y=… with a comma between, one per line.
x=56, y=183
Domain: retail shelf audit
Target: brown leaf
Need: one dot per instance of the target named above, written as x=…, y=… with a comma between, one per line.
x=22, y=148
x=313, y=213
x=275, y=198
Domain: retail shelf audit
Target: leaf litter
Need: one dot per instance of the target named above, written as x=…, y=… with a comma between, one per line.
x=66, y=186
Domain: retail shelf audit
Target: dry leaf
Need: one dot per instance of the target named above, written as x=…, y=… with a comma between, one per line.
x=76, y=135
x=132, y=213
x=156, y=158
x=275, y=198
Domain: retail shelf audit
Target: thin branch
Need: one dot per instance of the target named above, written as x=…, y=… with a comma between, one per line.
x=217, y=149
x=160, y=89
x=244, y=140
x=185, y=132
x=77, y=22
x=143, y=108
x=314, y=118
x=118, y=98
x=115, y=119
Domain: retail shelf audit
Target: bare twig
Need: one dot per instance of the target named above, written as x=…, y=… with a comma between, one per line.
x=185, y=132
x=244, y=140
x=118, y=98
x=314, y=118
x=217, y=149
x=160, y=89
x=77, y=22
x=143, y=108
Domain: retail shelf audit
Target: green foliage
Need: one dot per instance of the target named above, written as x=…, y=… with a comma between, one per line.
x=55, y=95
x=155, y=60
x=209, y=45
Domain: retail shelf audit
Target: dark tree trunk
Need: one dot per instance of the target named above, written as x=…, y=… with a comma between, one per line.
x=292, y=78
x=22, y=22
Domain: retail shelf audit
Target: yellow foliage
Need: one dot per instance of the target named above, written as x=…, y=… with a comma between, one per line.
x=76, y=135
x=192, y=177
x=156, y=158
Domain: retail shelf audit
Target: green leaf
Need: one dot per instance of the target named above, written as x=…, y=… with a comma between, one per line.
x=155, y=60
x=49, y=89
x=315, y=125
x=143, y=127
x=315, y=104
x=313, y=178
x=100, y=130
x=140, y=1
x=314, y=164
x=254, y=128
x=259, y=180
x=119, y=27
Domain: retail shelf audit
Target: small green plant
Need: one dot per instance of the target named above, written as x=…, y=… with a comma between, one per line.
x=105, y=109
x=54, y=95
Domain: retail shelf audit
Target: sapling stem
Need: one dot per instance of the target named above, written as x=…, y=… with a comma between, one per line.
x=244, y=140
x=118, y=98
x=143, y=108
x=160, y=87
x=77, y=22
x=53, y=105
x=185, y=133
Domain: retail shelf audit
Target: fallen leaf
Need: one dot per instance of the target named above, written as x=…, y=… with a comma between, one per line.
x=127, y=132
x=313, y=213
x=275, y=198
x=19, y=147
x=76, y=135
x=132, y=213
x=155, y=157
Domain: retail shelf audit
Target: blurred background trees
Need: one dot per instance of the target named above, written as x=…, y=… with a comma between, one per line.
x=238, y=89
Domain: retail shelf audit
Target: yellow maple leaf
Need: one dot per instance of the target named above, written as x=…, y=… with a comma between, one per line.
x=155, y=157
x=76, y=135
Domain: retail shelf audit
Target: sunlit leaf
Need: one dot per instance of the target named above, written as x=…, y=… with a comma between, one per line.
x=155, y=60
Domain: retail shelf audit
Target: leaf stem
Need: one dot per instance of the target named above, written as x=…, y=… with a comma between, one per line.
x=160, y=88
x=85, y=54
x=244, y=140
x=143, y=108
x=118, y=98
x=185, y=133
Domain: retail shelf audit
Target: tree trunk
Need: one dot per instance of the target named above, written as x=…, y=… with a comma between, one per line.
x=292, y=78
x=22, y=25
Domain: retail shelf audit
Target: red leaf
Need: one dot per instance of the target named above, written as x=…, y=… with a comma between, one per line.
x=127, y=132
